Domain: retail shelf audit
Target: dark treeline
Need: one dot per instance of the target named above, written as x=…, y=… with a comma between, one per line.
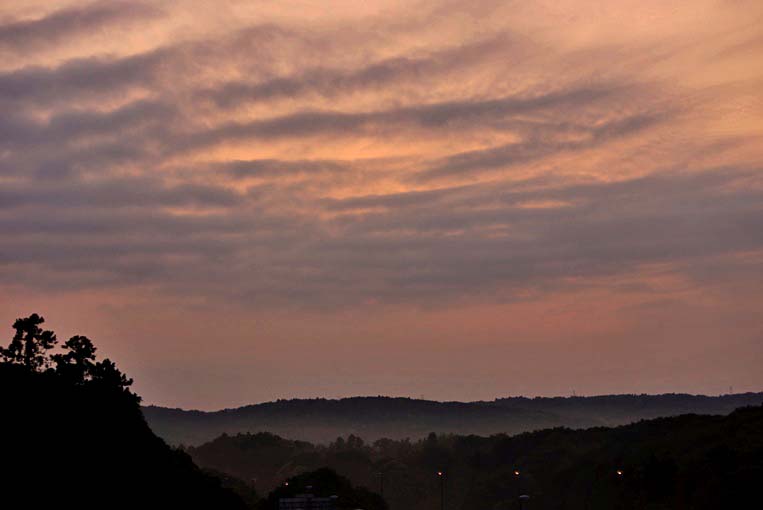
x=684, y=462
x=74, y=435
x=322, y=420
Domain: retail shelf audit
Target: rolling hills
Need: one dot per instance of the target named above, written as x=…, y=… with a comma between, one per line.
x=687, y=462
x=371, y=418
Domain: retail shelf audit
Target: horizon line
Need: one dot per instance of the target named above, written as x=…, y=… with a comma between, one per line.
x=420, y=399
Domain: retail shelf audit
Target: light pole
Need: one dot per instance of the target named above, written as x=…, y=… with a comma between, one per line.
x=381, y=484
x=441, y=475
x=519, y=487
x=620, y=488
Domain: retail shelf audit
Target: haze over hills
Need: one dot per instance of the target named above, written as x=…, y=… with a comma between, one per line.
x=371, y=418
x=76, y=416
x=688, y=462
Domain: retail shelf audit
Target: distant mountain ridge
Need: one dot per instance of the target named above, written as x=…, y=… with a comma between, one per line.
x=371, y=418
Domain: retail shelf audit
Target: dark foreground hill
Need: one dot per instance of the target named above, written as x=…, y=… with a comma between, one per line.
x=73, y=435
x=678, y=463
x=324, y=483
x=322, y=420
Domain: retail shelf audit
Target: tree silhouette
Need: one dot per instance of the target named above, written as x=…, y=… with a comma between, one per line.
x=74, y=416
x=30, y=344
x=107, y=374
x=78, y=362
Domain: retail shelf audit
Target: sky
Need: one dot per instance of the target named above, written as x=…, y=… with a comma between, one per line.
x=240, y=201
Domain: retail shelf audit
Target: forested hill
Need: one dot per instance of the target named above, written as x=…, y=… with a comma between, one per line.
x=688, y=462
x=323, y=420
x=74, y=436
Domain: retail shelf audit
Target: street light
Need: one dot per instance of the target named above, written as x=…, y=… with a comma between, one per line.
x=520, y=497
x=441, y=475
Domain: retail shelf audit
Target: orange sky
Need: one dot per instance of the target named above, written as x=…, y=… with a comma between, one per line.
x=241, y=201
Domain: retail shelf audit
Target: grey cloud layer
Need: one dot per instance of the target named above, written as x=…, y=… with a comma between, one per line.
x=396, y=253
x=375, y=76
x=110, y=174
x=62, y=25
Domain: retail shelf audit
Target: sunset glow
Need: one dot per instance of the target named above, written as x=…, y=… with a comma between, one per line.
x=243, y=201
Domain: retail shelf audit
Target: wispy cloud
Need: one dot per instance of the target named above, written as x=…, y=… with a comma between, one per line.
x=436, y=155
x=67, y=24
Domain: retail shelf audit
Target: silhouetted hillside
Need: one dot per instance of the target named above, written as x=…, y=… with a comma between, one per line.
x=685, y=462
x=322, y=420
x=74, y=437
